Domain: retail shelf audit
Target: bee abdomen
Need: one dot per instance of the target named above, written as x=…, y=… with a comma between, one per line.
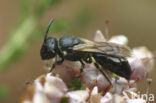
x=118, y=66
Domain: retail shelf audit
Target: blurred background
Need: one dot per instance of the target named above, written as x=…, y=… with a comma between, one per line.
x=23, y=23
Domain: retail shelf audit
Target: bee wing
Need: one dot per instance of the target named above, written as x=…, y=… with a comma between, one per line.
x=107, y=48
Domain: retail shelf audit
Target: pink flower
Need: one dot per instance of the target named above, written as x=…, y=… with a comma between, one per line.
x=141, y=62
x=52, y=88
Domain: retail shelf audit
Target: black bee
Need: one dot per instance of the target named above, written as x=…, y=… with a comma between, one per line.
x=110, y=56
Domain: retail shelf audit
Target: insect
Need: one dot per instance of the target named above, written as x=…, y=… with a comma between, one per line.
x=111, y=56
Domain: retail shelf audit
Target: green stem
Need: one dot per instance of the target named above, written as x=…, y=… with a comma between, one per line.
x=17, y=40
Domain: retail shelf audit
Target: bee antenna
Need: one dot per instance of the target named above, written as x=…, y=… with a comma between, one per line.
x=46, y=33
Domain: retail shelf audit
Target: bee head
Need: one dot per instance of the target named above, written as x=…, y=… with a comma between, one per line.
x=48, y=49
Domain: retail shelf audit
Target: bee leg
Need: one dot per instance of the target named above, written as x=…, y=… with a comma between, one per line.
x=60, y=61
x=82, y=66
x=103, y=73
x=98, y=67
x=55, y=63
x=53, y=66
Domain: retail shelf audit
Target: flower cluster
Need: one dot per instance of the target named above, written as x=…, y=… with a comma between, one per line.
x=93, y=87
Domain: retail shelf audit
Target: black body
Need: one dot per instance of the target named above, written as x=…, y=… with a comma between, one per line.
x=51, y=47
x=120, y=67
x=66, y=44
x=64, y=49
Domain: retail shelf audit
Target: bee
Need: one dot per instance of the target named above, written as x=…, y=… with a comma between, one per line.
x=110, y=56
